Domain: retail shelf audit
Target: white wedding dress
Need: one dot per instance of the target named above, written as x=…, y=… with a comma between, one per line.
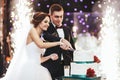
x=28, y=67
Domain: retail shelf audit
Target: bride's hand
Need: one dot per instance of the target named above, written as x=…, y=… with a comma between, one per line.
x=65, y=44
x=54, y=56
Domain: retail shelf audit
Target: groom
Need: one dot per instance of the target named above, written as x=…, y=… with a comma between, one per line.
x=55, y=32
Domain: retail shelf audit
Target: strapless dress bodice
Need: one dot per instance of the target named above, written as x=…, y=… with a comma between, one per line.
x=34, y=52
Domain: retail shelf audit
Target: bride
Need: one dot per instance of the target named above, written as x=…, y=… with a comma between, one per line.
x=25, y=64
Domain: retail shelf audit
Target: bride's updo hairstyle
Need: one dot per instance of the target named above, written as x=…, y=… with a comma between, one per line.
x=38, y=17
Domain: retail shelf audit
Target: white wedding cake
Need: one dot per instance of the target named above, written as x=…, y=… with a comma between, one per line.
x=84, y=57
x=82, y=62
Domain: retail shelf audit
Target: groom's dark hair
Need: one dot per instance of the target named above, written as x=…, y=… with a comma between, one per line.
x=55, y=7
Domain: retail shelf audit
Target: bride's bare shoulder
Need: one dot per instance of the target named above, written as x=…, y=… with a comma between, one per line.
x=32, y=30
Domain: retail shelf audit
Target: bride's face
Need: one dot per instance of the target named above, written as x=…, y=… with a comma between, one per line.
x=45, y=23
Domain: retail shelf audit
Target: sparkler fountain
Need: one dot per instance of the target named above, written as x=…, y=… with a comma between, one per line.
x=110, y=39
x=21, y=14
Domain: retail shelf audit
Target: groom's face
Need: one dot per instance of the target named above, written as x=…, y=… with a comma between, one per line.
x=57, y=17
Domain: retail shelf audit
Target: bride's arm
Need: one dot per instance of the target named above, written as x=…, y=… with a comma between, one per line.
x=39, y=42
x=53, y=56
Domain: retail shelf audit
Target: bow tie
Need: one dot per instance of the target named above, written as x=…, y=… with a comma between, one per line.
x=59, y=27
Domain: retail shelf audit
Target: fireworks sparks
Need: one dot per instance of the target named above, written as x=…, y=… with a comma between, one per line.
x=21, y=14
x=110, y=39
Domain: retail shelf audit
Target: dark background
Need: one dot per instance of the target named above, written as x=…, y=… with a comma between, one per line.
x=79, y=4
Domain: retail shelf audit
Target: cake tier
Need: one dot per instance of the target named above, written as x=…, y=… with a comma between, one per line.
x=80, y=68
x=80, y=55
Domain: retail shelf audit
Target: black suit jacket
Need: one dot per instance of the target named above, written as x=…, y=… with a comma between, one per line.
x=56, y=67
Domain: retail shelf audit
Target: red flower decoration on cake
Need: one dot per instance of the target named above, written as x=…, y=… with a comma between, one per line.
x=90, y=72
x=96, y=59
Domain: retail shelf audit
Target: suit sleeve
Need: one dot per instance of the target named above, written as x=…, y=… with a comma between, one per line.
x=72, y=42
x=70, y=37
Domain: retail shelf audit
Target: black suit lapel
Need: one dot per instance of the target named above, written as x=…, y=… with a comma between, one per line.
x=55, y=34
x=52, y=30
